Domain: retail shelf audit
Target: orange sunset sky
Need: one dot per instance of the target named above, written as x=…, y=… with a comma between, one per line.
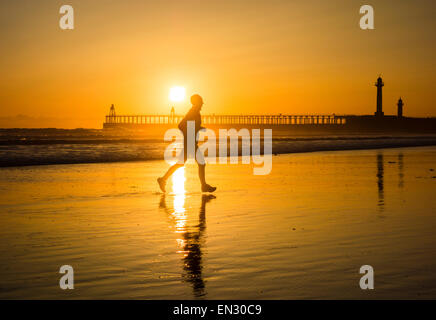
x=250, y=57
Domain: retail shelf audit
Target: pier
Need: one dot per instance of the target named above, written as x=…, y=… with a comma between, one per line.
x=113, y=120
x=279, y=122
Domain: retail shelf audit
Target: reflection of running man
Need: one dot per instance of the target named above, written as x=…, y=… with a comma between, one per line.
x=192, y=245
x=192, y=115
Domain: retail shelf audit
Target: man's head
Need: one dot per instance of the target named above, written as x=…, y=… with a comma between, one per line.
x=197, y=101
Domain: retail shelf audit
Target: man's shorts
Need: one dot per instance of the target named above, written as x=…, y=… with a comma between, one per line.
x=199, y=157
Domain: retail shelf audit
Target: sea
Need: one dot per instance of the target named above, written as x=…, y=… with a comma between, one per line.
x=27, y=147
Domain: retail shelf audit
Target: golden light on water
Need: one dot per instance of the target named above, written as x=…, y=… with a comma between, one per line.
x=177, y=93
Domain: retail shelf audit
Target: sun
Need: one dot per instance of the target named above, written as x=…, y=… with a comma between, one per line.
x=177, y=93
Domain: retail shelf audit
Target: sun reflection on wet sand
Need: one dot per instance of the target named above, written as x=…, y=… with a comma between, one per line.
x=178, y=180
x=179, y=191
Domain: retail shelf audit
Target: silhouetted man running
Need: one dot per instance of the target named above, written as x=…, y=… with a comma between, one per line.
x=192, y=115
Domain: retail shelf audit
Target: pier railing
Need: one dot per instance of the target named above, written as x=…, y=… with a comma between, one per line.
x=230, y=119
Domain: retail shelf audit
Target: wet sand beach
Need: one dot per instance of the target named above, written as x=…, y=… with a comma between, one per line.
x=301, y=232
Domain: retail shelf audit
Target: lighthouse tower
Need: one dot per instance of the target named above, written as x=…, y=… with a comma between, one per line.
x=112, y=114
x=379, y=84
x=400, y=108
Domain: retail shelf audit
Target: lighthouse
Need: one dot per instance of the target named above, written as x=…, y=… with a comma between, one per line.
x=379, y=84
x=400, y=108
x=112, y=114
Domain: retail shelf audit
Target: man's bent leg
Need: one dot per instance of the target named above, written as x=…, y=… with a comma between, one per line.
x=163, y=180
x=171, y=170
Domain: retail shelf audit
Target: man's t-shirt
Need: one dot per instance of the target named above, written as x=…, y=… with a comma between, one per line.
x=192, y=115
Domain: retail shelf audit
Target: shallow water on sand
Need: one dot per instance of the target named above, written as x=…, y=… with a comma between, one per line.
x=301, y=232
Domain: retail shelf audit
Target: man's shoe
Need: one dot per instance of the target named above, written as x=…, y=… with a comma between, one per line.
x=162, y=184
x=208, y=188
